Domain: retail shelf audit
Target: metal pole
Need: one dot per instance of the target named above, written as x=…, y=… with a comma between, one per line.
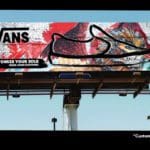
x=70, y=117
x=54, y=120
x=70, y=107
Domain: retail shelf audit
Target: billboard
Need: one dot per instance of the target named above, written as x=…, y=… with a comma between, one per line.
x=74, y=46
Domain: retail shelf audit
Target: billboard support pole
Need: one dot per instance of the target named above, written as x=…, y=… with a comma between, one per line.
x=70, y=117
x=70, y=107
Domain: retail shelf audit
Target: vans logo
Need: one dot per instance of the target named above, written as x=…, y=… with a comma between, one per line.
x=14, y=35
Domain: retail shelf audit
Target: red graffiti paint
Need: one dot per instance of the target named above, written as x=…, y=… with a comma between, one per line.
x=61, y=28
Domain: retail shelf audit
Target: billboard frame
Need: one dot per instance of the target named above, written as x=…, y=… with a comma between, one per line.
x=51, y=83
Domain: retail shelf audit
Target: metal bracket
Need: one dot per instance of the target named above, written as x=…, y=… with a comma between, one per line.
x=7, y=94
x=97, y=89
x=52, y=89
x=139, y=89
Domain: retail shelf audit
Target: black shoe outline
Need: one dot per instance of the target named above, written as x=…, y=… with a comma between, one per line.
x=100, y=55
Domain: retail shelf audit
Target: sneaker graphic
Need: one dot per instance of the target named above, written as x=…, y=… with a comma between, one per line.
x=123, y=46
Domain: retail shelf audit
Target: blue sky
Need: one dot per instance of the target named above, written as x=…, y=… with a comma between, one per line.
x=104, y=112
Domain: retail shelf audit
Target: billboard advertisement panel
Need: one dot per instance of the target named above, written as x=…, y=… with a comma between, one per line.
x=74, y=46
